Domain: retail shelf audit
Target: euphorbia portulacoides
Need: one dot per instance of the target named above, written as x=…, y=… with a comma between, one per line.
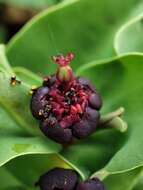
x=67, y=106
x=67, y=179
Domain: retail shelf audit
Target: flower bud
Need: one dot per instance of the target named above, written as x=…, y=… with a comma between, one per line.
x=64, y=73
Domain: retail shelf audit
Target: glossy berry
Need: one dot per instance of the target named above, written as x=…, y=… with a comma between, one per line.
x=91, y=184
x=66, y=106
x=58, y=179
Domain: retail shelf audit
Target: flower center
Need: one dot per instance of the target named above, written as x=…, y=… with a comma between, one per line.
x=67, y=98
x=66, y=102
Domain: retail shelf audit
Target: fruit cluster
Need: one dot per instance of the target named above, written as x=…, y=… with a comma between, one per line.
x=67, y=179
x=67, y=106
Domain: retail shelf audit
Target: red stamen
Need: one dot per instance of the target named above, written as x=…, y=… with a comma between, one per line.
x=61, y=60
x=73, y=110
x=79, y=109
x=69, y=57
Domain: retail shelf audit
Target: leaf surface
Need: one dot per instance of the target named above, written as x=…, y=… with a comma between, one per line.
x=85, y=27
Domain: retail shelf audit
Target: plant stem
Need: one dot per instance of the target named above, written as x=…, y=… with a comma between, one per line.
x=113, y=120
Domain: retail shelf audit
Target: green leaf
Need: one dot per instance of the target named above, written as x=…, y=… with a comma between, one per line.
x=14, y=142
x=125, y=180
x=85, y=27
x=139, y=185
x=14, y=98
x=122, y=85
x=4, y=65
x=33, y=166
x=16, y=122
x=129, y=37
x=93, y=153
x=28, y=76
x=7, y=179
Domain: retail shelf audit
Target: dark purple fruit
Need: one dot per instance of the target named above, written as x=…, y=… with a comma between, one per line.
x=91, y=184
x=87, y=125
x=66, y=106
x=38, y=102
x=58, y=179
x=56, y=133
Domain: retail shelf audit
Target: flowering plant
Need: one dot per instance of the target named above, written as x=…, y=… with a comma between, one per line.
x=106, y=39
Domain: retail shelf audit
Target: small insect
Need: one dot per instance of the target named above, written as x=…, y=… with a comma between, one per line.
x=33, y=89
x=14, y=81
x=46, y=80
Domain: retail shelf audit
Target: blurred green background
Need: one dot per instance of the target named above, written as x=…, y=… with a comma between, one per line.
x=15, y=13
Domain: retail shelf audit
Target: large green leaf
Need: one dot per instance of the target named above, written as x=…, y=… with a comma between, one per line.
x=93, y=153
x=33, y=166
x=14, y=142
x=129, y=37
x=7, y=179
x=15, y=99
x=139, y=185
x=126, y=180
x=86, y=27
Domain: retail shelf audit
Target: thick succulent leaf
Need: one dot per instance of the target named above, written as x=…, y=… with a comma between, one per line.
x=10, y=182
x=139, y=185
x=16, y=188
x=129, y=37
x=58, y=29
x=33, y=166
x=122, y=85
x=93, y=153
x=7, y=179
x=27, y=76
x=15, y=99
x=16, y=122
x=126, y=180
x=14, y=142
x=4, y=65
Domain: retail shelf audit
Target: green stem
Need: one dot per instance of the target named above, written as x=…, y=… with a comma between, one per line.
x=113, y=120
